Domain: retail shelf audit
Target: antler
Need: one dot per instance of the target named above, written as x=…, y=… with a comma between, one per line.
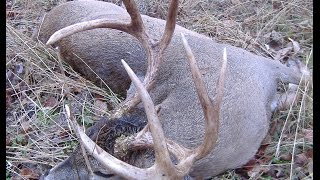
x=136, y=28
x=163, y=167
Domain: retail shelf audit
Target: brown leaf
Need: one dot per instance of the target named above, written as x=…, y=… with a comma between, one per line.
x=262, y=150
x=250, y=165
x=276, y=172
x=75, y=90
x=301, y=159
x=243, y=171
x=273, y=127
x=28, y=173
x=64, y=133
x=51, y=102
x=11, y=14
x=286, y=157
x=98, y=96
x=309, y=153
x=276, y=4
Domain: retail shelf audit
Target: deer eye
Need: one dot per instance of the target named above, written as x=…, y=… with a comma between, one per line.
x=101, y=174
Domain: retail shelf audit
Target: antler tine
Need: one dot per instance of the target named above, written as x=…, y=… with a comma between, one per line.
x=155, y=52
x=211, y=110
x=88, y=25
x=136, y=19
x=170, y=25
x=163, y=160
x=135, y=27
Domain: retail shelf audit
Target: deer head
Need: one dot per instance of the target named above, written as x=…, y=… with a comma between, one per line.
x=192, y=136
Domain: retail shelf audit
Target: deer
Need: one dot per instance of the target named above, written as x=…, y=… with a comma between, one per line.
x=194, y=108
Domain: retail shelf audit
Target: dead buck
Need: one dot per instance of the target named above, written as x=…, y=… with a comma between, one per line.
x=185, y=135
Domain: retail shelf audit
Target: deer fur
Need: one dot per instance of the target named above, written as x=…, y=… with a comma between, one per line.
x=250, y=87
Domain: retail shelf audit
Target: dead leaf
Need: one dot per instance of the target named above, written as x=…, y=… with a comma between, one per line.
x=276, y=4
x=309, y=153
x=262, y=149
x=51, y=102
x=276, y=172
x=11, y=14
x=301, y=159
x=75, y=90
x=100, y=107
x=273, y=126
x=250, y=165
x=28, y=173
x=296, y=46
x=98, y=96
x=64, y=133
x=286, y=157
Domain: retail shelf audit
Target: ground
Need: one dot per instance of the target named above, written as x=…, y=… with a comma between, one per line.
x=38, y=135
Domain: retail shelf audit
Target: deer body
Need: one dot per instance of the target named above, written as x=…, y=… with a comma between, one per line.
x=250, y=86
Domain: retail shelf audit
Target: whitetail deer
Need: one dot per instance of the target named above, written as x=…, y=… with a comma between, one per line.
x=194, y=136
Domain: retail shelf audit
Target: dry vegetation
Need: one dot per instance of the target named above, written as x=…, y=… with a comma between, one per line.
x=38, y=134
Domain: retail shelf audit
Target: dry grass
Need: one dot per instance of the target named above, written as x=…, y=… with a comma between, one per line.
x=37, y=89
x=37, y=130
